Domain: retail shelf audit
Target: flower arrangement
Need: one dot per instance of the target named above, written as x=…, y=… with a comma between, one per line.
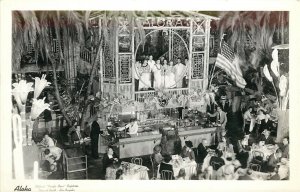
x=200, y=99
x=40, y=84
x=38, y=106
x=20, y=93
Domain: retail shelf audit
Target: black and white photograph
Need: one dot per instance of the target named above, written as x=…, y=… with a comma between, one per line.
x=149, y=95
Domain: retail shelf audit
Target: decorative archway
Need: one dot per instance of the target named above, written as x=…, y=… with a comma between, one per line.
x=173, y=37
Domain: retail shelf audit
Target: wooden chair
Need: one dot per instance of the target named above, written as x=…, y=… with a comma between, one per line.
x=137, y=160
x=255, y=167
x=166, y=175
x=258, y=157
x=153, y=166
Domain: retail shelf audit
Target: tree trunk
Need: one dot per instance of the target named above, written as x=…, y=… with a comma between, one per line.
x=60, y=103
x=89, y=88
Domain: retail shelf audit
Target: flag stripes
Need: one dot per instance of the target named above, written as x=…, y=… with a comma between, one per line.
x=228, y=62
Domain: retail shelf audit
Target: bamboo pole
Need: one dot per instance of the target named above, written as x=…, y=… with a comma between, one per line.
x=18, y=151
x=23, y=124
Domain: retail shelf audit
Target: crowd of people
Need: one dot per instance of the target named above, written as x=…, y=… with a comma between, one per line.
x=225, y=161
x=150, y=74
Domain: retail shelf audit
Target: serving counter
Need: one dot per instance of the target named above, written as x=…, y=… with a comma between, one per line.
x=143, y=143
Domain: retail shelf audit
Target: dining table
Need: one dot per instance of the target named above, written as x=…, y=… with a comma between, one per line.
x=133, y=171
x=190, y=166
x=256, y=175
x=267, y=150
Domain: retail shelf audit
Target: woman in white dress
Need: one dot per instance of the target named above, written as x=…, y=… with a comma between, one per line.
x=145, y=75
x=164, y=76
x=170, y=76
x=157, y=70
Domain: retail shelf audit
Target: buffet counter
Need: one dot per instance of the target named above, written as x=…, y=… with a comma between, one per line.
x=144, y=142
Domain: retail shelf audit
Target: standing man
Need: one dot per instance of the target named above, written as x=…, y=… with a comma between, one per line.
x=151, y=64
x=222, y=120
x=224, y=104
x=95, y=131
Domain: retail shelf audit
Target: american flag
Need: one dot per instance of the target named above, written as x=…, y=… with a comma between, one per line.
x=226, y=60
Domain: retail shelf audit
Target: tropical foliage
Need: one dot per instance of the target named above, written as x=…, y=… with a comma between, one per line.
x=251, y=33
x=70, y=31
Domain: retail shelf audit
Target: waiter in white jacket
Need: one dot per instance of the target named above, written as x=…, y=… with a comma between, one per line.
x=132, y=127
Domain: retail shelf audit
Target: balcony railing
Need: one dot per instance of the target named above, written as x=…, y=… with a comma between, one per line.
x=140, y=96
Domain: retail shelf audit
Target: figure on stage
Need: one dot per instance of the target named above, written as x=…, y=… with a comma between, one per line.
x=151, y=63
x=180, y=73
x=157, y=69
x=145, y=76
x=169, y=75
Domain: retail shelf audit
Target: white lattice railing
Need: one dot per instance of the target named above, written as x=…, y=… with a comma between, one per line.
x=86, y=55
x=140, y=96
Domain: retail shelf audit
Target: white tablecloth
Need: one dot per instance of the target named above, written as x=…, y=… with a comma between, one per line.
x=135, y=172
x=190, y=168
x=267, y=150
x=255, y=175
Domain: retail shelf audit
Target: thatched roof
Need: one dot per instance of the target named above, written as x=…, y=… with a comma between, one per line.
x=144, y=14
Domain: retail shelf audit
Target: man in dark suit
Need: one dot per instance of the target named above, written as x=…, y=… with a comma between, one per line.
x=95, y=131
x=202, y=151
x=77, y=140
x=266, y=124
x=267, y=138
x=166, y=166
x=224, y=104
